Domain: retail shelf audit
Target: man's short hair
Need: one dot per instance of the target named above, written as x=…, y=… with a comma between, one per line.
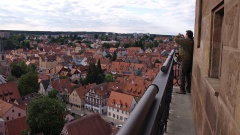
x=190, y=34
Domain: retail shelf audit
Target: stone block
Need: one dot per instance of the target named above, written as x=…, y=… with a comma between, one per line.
x=199, y=115
x=230, y=79
x=223, y=122
x=210, y=106
x=231, y=25
x=206, y=128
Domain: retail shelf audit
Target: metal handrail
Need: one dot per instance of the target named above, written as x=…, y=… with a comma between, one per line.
x=166, y=64
x=149, y=116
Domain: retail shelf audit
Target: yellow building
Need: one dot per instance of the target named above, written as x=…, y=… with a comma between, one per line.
x=76, y=98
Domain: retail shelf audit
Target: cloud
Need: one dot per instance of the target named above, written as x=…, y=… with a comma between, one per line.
x=145, y=16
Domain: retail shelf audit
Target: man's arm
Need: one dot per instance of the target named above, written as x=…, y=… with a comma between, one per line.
x=182, y=41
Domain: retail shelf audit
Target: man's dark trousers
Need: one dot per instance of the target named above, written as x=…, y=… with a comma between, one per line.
x=185, y=75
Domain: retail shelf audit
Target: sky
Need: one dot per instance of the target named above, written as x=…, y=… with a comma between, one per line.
x=120, y=16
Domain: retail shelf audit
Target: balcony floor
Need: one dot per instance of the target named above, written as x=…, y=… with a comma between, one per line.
x=180, y=117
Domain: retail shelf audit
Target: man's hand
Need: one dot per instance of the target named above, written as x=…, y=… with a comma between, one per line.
x=180, y=35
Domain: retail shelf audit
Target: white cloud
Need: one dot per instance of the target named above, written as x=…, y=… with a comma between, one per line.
x=148, y=16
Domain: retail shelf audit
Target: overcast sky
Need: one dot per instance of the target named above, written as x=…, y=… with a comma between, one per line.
x=123, y=16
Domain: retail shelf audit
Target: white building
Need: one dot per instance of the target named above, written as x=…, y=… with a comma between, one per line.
x=119, y=106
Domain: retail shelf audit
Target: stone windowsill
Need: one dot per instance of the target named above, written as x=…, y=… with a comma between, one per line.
x=214, y=84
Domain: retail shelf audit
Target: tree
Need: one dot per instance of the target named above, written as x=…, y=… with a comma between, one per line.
x=108, y=55
x=155, y=43
x=81, y=51
x=46, y=115
x=28, y=83
x=18, y=69
x=11, y=78
x=100, y=79
x=108, y=78
x=106, y=45
x=53, y=93
x=99, y=67
x=160, y=41
x=117, y=44
x=114, y=56
x=31, y=68
x=152, y=37
x=149, y=45
x=126, y=45
x=96, y=36
x=94, y=75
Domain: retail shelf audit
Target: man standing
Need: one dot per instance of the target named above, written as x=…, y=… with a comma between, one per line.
x=185, y=58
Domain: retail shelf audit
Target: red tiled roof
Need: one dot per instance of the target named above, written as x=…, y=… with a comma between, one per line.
x=82, y=90
x=119, y=66
x=121, y=99
x=137, y=66
x=91, y=124
x=105, y=60
x=116, y=86
x=100, y=89
x=61, y=84
x=9, y=91
x=112, y=49
x=74, y=71
x=134, y=89
x=43, y=77
x=4, y=107
x=98, y=56
x=17, y=126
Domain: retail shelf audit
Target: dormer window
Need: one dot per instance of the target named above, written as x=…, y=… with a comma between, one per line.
x=134, y=91
x=125, y=105
x=113, y=102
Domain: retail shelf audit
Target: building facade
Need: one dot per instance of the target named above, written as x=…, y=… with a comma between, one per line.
x=96, y=98
x=120, y=106
x=216, y=73
x=76, y=99
x=10, y=112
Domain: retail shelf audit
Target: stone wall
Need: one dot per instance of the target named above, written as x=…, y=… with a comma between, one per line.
x=216, y=88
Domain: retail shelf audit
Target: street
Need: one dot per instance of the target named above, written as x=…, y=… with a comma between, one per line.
x=86, y=112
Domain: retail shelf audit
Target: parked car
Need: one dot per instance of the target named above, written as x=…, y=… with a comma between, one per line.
x=119, y=126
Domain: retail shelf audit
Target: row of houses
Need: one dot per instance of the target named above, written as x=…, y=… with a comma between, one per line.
x=133, y=70
x=95, y=97
x=109, y=99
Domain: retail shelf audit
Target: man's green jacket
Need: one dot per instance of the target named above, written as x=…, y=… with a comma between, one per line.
x=186, y=48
